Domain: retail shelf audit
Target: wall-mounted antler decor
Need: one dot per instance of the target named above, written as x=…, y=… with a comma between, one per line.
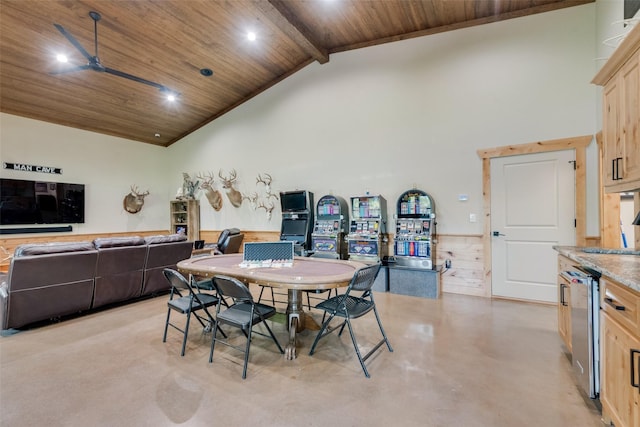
x=234, y=196
x=267, y=185
x=134, y=201
x=262, y=201
x=252, y=198
x=208, y=186
x=268, y=209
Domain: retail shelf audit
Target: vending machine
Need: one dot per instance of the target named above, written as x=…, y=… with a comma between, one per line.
x=414, y=240
x=327, y=238
x=366, y=240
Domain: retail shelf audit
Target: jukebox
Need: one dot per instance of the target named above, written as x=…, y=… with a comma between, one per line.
x=366, y=240
x=327, y=238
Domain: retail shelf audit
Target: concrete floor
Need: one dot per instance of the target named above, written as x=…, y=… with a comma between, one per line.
x=458, y=361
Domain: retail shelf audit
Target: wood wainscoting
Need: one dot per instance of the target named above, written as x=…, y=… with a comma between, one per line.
x=9, y=244
x=467, y=264
x=465, y=252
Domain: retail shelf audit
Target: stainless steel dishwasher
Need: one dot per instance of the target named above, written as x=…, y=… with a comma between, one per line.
x=585, y=328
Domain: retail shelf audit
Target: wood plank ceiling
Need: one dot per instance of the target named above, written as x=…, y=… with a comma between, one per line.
x=169, y=41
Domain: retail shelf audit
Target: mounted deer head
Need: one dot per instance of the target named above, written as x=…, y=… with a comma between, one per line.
x=134, y=201
x=267, y=209
x=234, y=196
x=213, y=196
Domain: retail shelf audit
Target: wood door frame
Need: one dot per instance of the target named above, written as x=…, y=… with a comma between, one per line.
x=579, y=144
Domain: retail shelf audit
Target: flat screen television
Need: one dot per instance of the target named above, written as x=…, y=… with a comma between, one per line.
x=296, y=201
x=25, y=202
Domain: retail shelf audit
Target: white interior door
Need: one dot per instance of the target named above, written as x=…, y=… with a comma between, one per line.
x=532, y=209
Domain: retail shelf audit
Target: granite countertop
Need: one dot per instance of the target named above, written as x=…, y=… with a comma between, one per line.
x=621, y=265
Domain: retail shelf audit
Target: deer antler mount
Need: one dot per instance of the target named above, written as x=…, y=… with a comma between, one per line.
x=234, y=196
x=212, y=194
x=134, y=201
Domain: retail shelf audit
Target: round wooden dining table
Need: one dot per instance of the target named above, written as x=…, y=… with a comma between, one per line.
x=303, y=275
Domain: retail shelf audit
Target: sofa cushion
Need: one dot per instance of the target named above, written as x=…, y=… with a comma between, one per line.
x=49, y=285
x=51, y=248
x=116, y=242
x=119, y=273
x=165, y=238
x=160, y=256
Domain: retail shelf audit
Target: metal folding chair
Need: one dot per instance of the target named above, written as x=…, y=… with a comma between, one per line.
x=185, y=300
x=244, y=313
x=354, y=303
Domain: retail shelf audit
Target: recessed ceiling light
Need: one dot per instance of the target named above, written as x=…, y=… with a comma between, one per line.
x=62, y=58
x=251, y=35
x=207, y=72
x=157, y=135
x=169, y=94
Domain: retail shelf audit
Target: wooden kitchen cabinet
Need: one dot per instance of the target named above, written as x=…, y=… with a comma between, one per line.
x=564, y=302
x=611, y=128
x=620, y=77
x=620, y=354
x=185, y=218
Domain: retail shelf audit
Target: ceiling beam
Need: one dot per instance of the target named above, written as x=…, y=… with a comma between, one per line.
x=278, y=13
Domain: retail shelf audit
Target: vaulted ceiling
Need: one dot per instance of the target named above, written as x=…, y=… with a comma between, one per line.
x=148, y=49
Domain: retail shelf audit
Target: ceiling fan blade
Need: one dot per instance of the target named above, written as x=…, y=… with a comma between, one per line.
x=134, y=78
x=94, y=63
x=72, y=70
x=73, y=41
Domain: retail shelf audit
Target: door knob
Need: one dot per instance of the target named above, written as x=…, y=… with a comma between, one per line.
x=497, y=233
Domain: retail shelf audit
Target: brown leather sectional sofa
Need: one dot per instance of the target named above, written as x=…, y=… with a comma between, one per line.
x=47, y=281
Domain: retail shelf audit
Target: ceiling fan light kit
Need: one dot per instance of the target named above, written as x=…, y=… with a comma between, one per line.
x=95, y=64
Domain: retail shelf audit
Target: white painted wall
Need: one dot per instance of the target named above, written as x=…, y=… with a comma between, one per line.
x=381, y=119
x=412, y=113
x=108, y=166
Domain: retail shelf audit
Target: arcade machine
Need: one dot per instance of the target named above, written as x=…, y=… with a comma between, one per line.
x=327, y=238
x=415, y=228
x=366, y=241
x=297, y=219
x=413, y=270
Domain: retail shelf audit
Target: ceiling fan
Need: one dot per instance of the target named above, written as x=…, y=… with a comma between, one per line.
x=94, y=61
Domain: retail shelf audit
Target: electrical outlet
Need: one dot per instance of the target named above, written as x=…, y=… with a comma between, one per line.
x=472, y=217
x=447, y=263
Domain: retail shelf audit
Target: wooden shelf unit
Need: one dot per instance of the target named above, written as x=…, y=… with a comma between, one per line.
x=185, y=218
